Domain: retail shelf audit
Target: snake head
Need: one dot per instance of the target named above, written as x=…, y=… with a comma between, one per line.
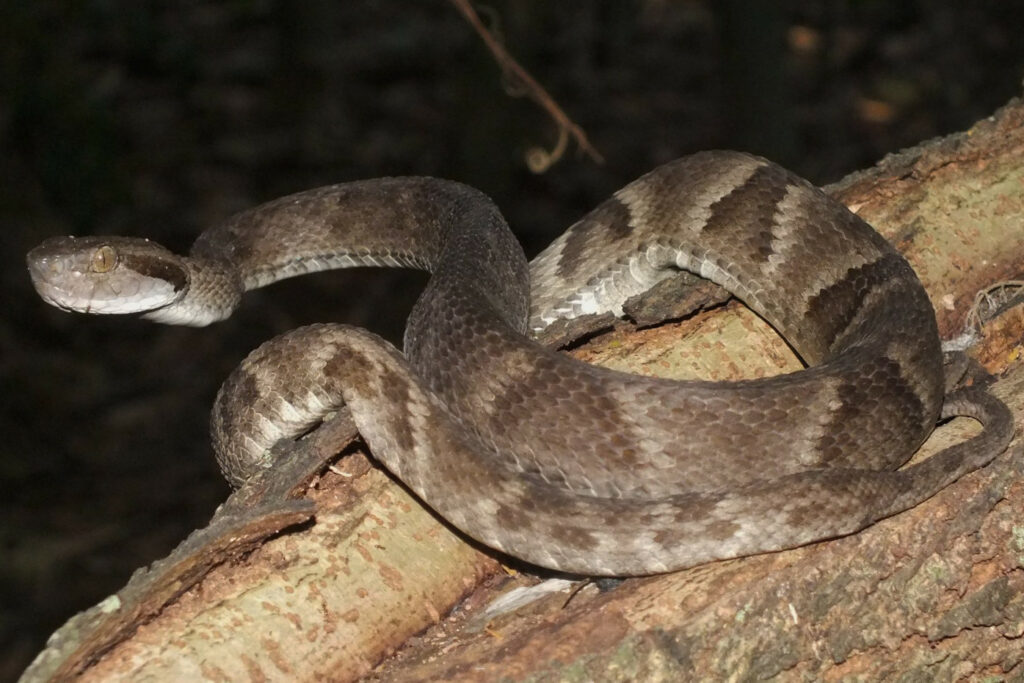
x=106, y=274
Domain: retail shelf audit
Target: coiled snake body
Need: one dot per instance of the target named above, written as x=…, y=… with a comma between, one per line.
x=557, y=462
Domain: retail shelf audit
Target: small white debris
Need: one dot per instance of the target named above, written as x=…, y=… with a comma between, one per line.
x=110, y=604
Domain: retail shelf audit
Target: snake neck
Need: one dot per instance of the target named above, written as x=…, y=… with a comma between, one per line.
x=214, y=290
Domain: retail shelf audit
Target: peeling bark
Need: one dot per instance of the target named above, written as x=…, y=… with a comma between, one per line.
x=266, y=592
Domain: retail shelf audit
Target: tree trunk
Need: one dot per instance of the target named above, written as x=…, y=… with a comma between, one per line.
x=934, y=593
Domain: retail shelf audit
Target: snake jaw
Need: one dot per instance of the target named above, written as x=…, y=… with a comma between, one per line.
x=106, y=276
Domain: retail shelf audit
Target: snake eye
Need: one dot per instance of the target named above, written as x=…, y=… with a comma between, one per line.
x=104, y=259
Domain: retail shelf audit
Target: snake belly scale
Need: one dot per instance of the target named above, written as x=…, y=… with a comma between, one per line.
x=557, y=462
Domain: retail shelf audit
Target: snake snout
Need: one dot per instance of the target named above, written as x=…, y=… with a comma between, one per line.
x=46, y=272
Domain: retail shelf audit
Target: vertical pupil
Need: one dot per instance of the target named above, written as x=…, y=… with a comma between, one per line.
x=104, y=259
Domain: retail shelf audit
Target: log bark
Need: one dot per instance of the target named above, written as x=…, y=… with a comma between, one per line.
x=933, y=593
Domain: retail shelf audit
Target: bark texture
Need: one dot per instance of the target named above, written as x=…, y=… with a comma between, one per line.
x=936, y=593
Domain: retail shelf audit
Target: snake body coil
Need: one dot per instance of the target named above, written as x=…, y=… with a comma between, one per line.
x=557, y=462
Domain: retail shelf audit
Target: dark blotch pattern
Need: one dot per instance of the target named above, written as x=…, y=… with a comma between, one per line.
x=835, y=307
x=607, y=224
x=876, y=395
x=748, y=212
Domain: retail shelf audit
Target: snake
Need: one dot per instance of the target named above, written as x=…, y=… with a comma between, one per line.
x=563, y=464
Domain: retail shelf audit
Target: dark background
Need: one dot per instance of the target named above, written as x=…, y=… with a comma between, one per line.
x=158, y=119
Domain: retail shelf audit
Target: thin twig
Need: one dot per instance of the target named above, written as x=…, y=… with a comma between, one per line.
x=538, y=160
x=990, y=299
